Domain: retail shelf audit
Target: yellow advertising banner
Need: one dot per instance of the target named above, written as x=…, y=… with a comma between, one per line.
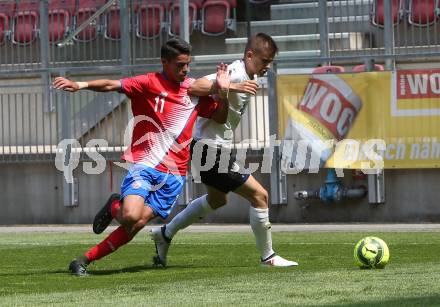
x=364, y=120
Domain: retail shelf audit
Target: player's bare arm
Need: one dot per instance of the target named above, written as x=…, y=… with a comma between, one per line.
x=223, y=81
x=102, y=85
x=204, y=87
x=248, y=87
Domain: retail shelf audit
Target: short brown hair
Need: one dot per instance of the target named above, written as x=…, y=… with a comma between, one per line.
x=174, y=47
x=260, y=41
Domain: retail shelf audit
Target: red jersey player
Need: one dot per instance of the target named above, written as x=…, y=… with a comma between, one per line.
x=164, y=117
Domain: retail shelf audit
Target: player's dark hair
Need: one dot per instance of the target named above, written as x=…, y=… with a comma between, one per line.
x=174, y=47
x=260, y=41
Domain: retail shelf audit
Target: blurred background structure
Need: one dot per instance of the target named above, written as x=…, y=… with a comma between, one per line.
x=85, y=39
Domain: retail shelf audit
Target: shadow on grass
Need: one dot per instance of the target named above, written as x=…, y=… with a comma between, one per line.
x=131, y=269
x=140, y=268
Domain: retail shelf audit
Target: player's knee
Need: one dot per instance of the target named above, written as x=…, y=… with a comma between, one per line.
x=261, y=199
x=217, y=201
x=130, y=216
x=132, y=210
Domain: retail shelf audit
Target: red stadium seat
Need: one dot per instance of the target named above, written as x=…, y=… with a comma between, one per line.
x=174, y=17
x=216, y=16
x=378, y=15
x=61, y=14
x=150, y=17
x=112, y=24
x=6, y=12
x=328, y=69
x=422, y=12
x=4, y=27
x=361, y=68
x=25, y=23
x=87, y=8
x=112, y=21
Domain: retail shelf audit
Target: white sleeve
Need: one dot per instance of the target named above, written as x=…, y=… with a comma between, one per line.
x=211, y=77
x=238, y=73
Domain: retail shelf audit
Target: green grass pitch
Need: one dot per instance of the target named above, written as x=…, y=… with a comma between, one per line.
x=220, y=269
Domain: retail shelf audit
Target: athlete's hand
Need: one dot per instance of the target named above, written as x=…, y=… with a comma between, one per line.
x=223, y=80
x=247, y=87
x=64, y=84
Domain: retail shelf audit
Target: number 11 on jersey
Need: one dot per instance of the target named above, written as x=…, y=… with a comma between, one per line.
x=160, y=103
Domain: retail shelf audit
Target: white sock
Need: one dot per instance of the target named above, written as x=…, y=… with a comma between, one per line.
x=195, y=210
x=259, y=220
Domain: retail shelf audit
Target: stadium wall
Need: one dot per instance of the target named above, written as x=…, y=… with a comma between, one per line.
x=32, y=194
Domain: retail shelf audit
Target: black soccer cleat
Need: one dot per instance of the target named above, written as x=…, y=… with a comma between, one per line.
x=78, y=268
x=104, y=217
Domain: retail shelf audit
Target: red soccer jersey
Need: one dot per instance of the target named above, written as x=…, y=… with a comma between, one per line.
x=164, y=116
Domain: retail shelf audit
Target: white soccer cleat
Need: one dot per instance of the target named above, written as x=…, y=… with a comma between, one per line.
x=278, y=261
x=162, y=245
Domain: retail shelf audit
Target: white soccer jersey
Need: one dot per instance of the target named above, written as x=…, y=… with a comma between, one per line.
x=221, y=134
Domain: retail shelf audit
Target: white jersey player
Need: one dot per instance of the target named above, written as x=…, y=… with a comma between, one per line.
x=259, y=53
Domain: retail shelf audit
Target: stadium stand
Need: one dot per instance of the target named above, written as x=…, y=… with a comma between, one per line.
x=216, y=16
x=174, y=17
x=25, y=22
x=19, y=20
x=87, y=8
x=295, y=27
x=150, y=16
x=377, y=12
x=61, y=14
x=7, y=10
x=148, y=21
x=354, y=26
x=112, y=20
x=422, y=12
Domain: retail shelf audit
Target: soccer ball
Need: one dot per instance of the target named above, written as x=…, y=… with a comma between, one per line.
x=371, y=253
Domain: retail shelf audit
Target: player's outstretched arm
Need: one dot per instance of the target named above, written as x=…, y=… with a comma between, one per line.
x=102, y=85
x=247, y=87
x=204, y=87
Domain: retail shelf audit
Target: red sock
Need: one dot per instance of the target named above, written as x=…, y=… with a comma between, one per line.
x=114, y=208
x=115, y=240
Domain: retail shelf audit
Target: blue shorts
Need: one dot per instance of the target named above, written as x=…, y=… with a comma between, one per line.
x=160, y=190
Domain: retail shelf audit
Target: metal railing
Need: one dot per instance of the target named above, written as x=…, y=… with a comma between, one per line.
x=42, y=36
x=123, y=39
x=52, y=34
x=353, y=31
x=29, y=133
x=253, y=131
x=46, y=41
